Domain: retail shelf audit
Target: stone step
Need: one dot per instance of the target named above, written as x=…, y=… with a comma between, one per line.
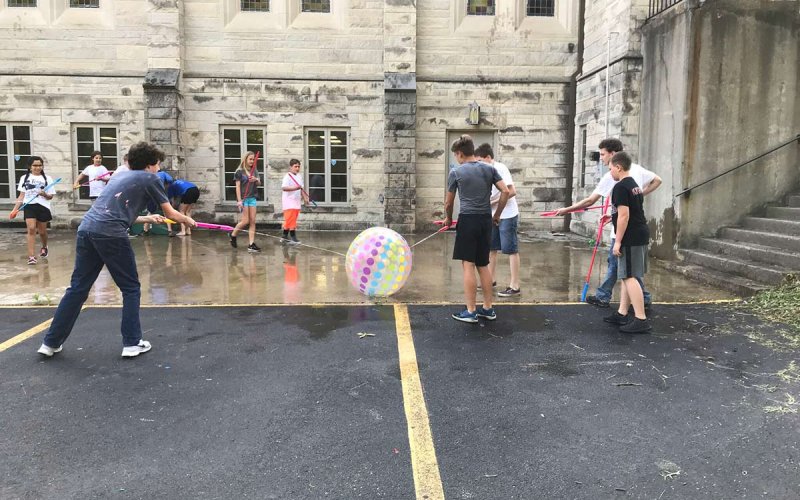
x=776, y=240
x=793, y=200
x=780, y=226
x=752, y=251
x=787, y=213
x=762, y=273
x=738, y=285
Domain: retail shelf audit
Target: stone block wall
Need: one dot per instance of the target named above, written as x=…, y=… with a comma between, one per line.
x=286, y=110
x=530, y=123
x=613, y=33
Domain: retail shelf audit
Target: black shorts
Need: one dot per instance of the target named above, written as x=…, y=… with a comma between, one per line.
x=38, y=212
x=190, y=196
x=473, y=238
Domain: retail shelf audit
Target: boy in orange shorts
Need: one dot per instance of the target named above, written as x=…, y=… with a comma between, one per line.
x=292, y=199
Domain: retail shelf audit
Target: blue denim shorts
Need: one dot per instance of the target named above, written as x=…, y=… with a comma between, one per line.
x=250, y=201
x=504, y=237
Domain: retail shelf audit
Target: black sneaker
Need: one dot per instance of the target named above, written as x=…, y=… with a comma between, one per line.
x=593, y=300
x=616, y=318
x=494, y=284
x=252, y=247
x=234, y=244
x=44, y=252
x=636, y=326
x=509, y=292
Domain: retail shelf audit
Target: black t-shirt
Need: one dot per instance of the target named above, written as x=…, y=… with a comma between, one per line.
x=627, y=193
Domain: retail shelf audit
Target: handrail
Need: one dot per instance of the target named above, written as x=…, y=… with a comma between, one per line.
x=659, y=6
x=751, y=160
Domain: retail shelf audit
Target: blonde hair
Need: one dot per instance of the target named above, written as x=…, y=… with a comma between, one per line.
x=243, y=163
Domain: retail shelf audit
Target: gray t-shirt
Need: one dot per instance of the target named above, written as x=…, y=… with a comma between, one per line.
x=126, y=194
x=474, y=181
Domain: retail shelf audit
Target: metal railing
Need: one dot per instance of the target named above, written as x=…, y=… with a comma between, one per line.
x=737, y=167
x=659, y=6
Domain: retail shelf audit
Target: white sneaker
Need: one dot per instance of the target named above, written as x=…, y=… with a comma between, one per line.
x=135, y=350
x=49, y=351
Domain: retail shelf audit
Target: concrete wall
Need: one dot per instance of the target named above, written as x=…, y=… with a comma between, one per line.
x=720, y=86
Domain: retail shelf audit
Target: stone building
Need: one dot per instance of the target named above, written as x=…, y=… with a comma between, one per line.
x=368, y=93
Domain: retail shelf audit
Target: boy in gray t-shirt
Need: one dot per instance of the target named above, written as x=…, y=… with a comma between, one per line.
x=473, y=180
x=103, y=241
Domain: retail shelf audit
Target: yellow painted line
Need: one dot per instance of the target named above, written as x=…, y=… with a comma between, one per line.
x=25, y=335
x=427, y=481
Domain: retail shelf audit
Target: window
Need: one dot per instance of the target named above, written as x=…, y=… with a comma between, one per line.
x=582, y=180
x=541, y=8
x=84, y=4
x=90, y=138
x=316, y=6
x=480, y=7
x=15, y=151
x=22, y=3
x=254, y=5
x=327, y=158
x=236, y=141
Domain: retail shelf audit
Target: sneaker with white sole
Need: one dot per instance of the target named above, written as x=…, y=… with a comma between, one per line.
x=466, y=316
x=135, y=350
x=486, y=313
x=49, y=351
x=509, y=292
x=44, y=252
x=31, y=260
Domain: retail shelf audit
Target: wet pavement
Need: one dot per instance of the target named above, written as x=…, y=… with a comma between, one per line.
x=204, y=269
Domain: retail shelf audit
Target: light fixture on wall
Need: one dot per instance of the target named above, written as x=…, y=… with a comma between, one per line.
x=474, y=116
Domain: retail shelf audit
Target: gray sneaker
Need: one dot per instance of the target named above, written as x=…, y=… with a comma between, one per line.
x=509, y=292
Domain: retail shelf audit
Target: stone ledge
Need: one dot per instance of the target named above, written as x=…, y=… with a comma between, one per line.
x=233, y=208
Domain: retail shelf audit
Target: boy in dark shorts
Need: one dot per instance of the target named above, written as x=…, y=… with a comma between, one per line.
x=473, y=180
x=632, y=237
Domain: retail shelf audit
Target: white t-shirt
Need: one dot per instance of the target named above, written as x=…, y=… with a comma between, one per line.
x=511, y=209
x=291, y=199
x=641, y=175
x=122, y=168
x=92, y=172
x=31, y=188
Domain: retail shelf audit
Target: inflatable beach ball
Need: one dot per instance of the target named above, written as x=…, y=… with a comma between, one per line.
x=378, y=262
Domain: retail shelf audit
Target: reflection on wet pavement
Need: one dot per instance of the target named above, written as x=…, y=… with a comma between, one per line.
x=204, y=269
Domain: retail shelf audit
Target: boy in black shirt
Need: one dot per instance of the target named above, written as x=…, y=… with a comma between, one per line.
x=632, y=237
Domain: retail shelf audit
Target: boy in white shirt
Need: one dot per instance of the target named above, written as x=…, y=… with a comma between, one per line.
x=504, y=236
x=292, y=199
x=96, y=174
x=645, y=179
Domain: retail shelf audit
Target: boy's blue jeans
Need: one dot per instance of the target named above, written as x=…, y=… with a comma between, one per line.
x=605, y=290
x=92, y=252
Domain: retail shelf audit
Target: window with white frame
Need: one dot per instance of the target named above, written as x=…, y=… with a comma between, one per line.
x=480, y=7
x=90, y=138
x=316, y=6
x=22, y=3
x=236, y=141
x=15, y=153
x=254, y=5
x=541, y=8
x=84, y=4
x=328, y=165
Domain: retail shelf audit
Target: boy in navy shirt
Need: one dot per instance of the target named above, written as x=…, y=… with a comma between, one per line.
x=632, y=237
x=103, y=241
